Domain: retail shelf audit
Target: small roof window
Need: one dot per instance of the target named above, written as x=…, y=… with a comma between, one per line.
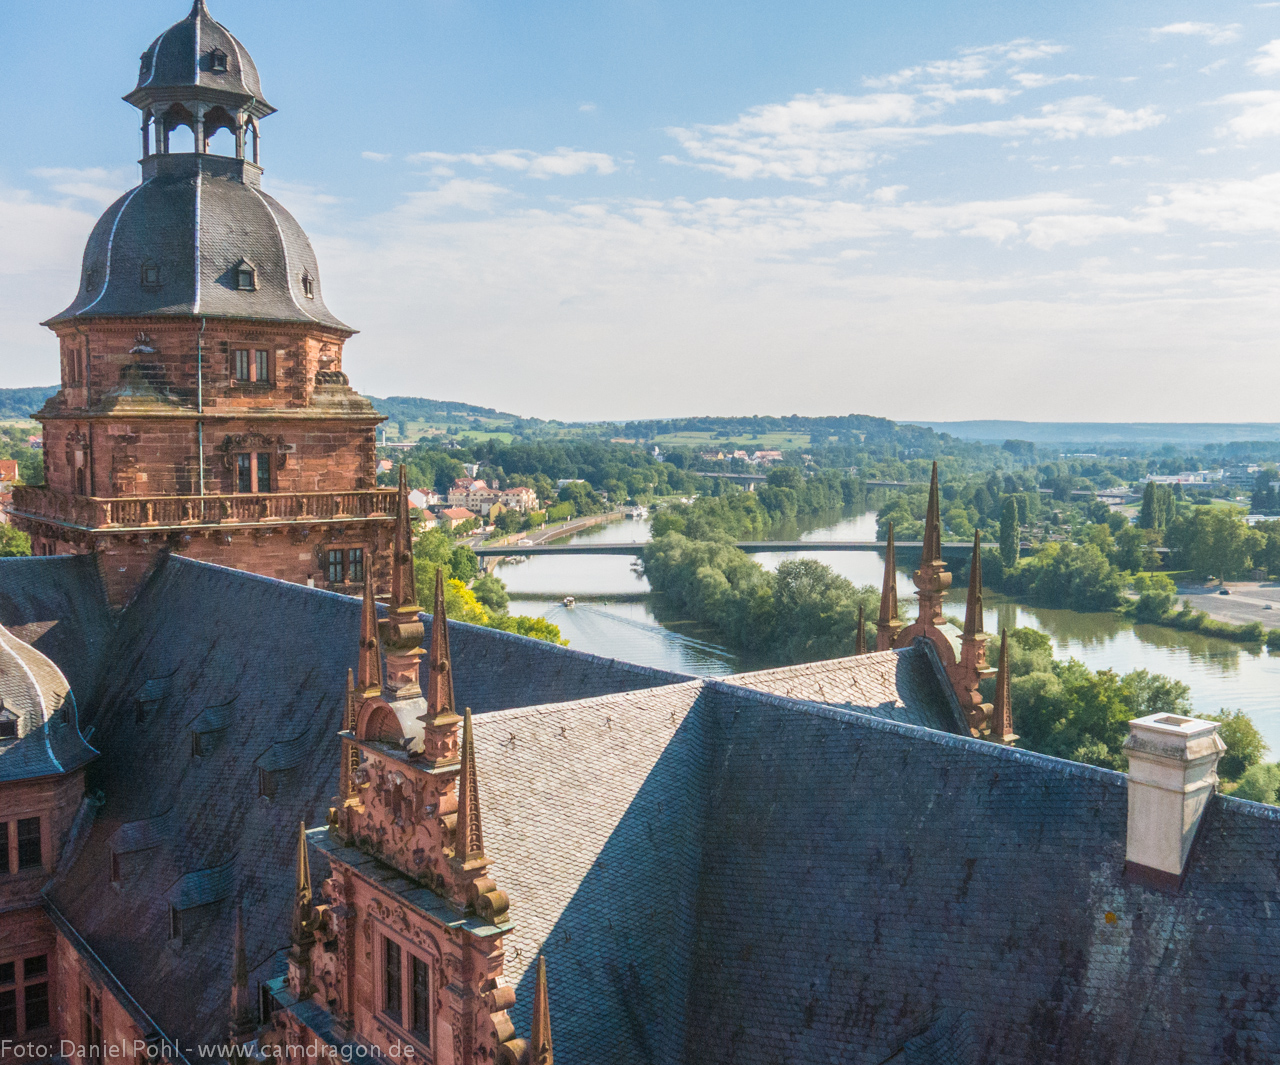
x=218, y=61
x=151, y=274
x=308, y=286
x=246, y=276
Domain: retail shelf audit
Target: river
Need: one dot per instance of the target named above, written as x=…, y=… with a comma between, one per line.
x=621, y=620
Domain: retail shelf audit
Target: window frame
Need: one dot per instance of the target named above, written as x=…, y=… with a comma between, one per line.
x=403, y=1021
x=240, y=361
x=90, y=1017
x=261, y=370
x=22, y=992
x=25, y=865
x=308, y=286
x=246, y=270
x=262, y=472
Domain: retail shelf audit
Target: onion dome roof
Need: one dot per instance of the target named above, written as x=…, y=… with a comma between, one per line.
x=197, y=52
x=200, y=237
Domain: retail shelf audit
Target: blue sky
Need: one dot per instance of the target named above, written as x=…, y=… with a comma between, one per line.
x=938, y=210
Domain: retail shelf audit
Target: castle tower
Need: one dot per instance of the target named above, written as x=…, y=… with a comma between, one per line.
x=203, y=404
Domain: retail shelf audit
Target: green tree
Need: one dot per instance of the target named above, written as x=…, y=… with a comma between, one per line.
x=1245, y=745
x=1156, y=595
x=1259, y=784
x=785, y=477
x=1213, y=541
x=1133, y=549
x=492, y=593
x=1157, y=506
x=13, y=542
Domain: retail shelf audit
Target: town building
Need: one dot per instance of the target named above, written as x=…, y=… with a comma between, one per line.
x=452, y=517
x=203, y=407
x=248, y=818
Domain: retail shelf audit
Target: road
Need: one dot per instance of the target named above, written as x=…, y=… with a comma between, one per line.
x=1248, y=602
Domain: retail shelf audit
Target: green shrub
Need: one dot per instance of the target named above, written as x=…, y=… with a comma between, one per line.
x=1259, y=784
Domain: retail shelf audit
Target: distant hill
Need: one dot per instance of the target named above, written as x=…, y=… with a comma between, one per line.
x=1110, y=433
x=414, y=407
x=23, y=402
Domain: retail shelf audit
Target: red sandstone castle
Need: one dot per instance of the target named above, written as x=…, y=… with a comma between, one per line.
x=203, y=405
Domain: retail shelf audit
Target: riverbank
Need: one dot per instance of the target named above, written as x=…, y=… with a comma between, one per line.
x=1249, y=601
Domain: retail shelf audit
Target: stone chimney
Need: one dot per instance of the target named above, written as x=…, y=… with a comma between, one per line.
x=1173, y=765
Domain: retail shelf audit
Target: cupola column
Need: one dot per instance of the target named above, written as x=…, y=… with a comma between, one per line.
x=146, y=134
x=197, y=110
x=257, y=142
x=240, y=122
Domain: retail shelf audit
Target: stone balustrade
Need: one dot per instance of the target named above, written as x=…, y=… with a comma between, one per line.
x=177, y=512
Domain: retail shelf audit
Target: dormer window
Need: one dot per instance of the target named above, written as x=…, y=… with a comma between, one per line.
x=8, y=723
x=90, y=279
x=246, y=276
x=308, y=286
x=150, y=274
x=218, y=61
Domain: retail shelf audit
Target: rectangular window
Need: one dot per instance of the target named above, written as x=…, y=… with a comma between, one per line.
x=335, y=567
x=240, y=364
x=355, y=564
x=175, y=923
x=392, y=988
x=4, y=850
x=35, y=999
x=260, y=367
x=7, y=971
x=91, y=1022
x=264, y=471
x=115, y=868
x=9, y=1012
x=244, y=474
x=37, y=966
x=29, y=851
x=420, y=1006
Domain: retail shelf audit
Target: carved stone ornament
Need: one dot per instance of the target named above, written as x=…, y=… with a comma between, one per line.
x=253, y=441
x=143, y=345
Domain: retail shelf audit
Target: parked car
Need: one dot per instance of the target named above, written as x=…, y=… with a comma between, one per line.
x=1224, y=591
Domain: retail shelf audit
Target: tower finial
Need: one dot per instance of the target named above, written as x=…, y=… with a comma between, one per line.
x=888, y=624
x=932, y=523
x=1002, y=708
x=860, y=637
x=440, y=736
x=302, y=883
x=973, y=604
x=242, y=1019
x=540, y=1049
x=404, y=593
x=469, y=838
x=305, y=921
x=932, y=579
x=369, y=676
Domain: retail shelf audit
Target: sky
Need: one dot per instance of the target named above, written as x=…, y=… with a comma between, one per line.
x=935, y=210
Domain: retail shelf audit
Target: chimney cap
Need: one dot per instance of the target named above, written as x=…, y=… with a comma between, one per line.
x=1174, y=736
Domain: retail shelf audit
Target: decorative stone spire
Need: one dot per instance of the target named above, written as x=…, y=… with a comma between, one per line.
x=1002, y=708
x=540, y=1050
x=369, y=674
x=440, y=735
x=469, y=839
x=401, y=630
x=932, y=579
x=860, y=638
x=243, y=1022
x=888, y=624
x=973, y=603
x=302, y=908
x=305, y=922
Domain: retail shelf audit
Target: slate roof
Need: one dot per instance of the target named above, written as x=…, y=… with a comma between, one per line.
x=55, y=747
x=902, y=685
x=180, y=58
x=716, y=874
x=58, y=606
x=282, y=651
x=196, y=217
x=31, y=687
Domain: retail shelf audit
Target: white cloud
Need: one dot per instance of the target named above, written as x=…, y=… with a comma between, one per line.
x=814, y=138
x=1267, y=61
x=563, y=162
x=1259, y=114
x=377, y=157
x=1211, y=31
x=586, y=108
x=96, y=184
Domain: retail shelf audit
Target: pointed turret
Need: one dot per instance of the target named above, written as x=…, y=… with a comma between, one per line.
x=303, y=932
x=973, y=603
x=242, y=1011
x=302, y=908
x=932, y=579
x=888, y=624
x=469, y=839
x=349, y=717
x=540, y=1050
x=440, y=735
x=1002, y=708
x=860, y=638
x=404, y=592
x=401, y=631
x=369, y=673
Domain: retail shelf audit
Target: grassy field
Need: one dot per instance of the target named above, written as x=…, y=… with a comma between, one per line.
x=746, y=442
